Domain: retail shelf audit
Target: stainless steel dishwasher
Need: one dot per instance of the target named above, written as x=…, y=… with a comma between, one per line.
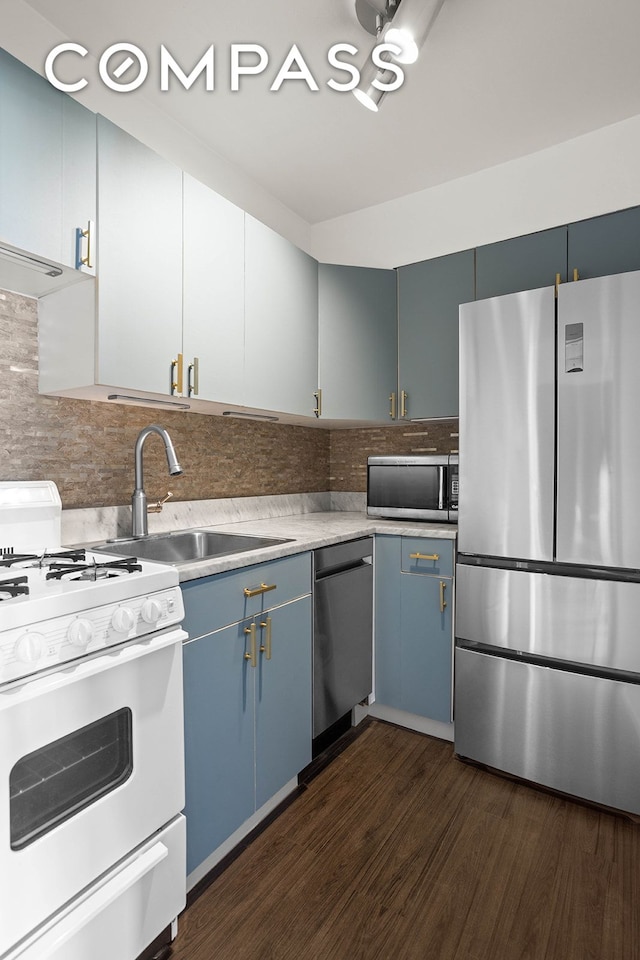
x=342, y=629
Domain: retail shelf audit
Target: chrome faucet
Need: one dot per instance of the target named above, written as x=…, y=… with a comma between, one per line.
x=139, y=526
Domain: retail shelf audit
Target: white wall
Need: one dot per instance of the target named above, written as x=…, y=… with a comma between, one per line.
x=593, y=174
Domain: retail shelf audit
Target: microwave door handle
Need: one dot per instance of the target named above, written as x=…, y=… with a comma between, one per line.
x=441, y=488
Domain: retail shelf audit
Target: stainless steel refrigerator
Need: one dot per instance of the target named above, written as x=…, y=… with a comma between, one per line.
x=547, y=662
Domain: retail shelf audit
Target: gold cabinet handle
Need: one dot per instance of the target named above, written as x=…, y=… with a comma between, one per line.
x=404, y=396
x=256, y=591
x=88, y=236
x=253, y=656
x=443, y=602
x=576, y=274
x=424, y=556
x=193, y=378
x=266, y=646
x=318, y=407
x=392, y=401
x=177, y=372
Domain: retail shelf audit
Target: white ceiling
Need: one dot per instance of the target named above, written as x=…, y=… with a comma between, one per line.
x=497, y=79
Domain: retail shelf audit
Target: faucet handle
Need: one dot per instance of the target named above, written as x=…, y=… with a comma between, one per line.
x=158, y=505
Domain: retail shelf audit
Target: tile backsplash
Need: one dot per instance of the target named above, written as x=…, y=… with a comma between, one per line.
x=86, y=448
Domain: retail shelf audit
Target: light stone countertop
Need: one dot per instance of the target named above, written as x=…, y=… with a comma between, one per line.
x=306, y=532
x=308, y=521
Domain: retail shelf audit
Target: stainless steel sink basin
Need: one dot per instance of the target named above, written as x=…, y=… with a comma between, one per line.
x=185, y=546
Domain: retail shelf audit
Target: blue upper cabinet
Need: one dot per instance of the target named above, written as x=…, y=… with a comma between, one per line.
x=523, y=263
x=429, y=294
x=357, y=342
x=47, y=172
x=281, y=323
x=605, y=245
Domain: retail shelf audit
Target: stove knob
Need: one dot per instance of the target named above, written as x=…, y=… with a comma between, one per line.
x=80, y=632
x=123, y=620
x=151, y=611
x=29, y=647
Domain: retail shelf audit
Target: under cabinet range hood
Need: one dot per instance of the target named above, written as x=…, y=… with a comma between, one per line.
x=33, y=276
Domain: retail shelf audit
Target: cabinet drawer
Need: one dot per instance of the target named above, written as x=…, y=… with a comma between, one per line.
x=214, y=602
x=427, y=555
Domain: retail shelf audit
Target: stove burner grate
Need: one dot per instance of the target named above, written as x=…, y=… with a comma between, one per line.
x=93, y=571
x=15, y=587
x=8, y=558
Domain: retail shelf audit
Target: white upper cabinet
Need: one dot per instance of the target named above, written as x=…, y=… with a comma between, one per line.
x=47, y=173
x=281, y=323
x=213, y=297
x=140, y=264
x=357, y=366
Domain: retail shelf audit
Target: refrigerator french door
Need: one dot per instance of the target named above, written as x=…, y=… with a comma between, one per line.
x=548, y=580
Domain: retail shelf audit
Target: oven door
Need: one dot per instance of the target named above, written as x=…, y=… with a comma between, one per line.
x=91, y=766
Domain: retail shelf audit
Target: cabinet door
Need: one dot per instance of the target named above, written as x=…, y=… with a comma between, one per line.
x=357, y=336
x=429, y=294
x=388, y=666
x=283, y=698
x=426, y=605
x=140, y=263
x=213, y=318
x=219, y=739
x=47, y=165
x=281, y=323
x=523, y=263
x=30, y=160
x=605, y=245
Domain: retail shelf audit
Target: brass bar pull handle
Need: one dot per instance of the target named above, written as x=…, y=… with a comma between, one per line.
x=443, y=602
x=256, y=591
x=576, y=275
x=424, y=556
x=177, y=373
x=253, y=655
x=404, y=396
x=266, y=646
x=193, y=378
x=318, y=407
x=558, y=282
x=392, y=401
x=80, y=236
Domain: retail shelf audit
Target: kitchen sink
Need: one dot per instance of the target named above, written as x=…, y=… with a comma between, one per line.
x=185, y=546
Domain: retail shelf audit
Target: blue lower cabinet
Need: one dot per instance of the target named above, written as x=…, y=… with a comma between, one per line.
x=413, y=632
x=283, y=698
x=426, y=635
x=219, y=740
x=248, y=696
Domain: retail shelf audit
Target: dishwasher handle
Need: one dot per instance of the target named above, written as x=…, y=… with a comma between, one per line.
x=339, y=569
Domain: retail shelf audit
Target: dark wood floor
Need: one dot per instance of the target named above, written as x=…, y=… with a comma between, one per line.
x=397, y=851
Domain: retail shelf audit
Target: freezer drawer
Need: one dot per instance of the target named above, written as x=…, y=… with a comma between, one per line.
x=576, y=733
x=576, y=619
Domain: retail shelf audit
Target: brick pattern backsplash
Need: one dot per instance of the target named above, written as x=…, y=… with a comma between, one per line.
x=350, y=448
x=86, y=448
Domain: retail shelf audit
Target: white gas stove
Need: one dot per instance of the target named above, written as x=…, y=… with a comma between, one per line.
x=92, y=841
x=57, y=605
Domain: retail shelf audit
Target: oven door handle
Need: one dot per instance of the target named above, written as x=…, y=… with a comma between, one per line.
x=78, y=918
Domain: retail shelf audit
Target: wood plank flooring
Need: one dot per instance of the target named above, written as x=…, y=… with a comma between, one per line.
x=398, y=851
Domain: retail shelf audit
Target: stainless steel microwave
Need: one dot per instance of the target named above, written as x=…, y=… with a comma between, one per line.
x=413, y=488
